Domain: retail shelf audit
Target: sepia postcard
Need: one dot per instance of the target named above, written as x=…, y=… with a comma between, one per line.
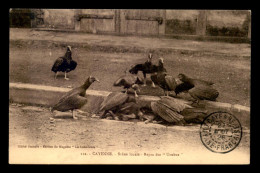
x=129, y=86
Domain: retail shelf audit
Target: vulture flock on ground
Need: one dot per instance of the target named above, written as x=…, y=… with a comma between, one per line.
x=126, y=105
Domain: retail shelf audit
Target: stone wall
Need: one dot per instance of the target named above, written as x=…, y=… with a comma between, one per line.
x=59, y=18
x=215, y=22
x=151, y=22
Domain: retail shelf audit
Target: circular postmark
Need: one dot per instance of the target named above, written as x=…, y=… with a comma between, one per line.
x=220, y=132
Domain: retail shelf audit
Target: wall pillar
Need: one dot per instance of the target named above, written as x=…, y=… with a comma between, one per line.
x=123, y=21
x=201, y=23
x=249, y=25
x=77, y=22
x=117, y=21
x=162, y=26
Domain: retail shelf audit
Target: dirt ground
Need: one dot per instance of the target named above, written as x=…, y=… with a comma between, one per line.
x=33, y=65
x=33, y=125
x=99, y=41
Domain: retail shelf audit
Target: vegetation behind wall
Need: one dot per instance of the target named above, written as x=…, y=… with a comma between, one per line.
x=20, y=18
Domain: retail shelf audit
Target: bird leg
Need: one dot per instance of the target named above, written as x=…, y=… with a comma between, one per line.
x=56, y=74
x=144, y=80
x=153, y=85
x=126, y=91
x=136, y=94
x=66, y=76
x=166, y=93
x=103, y=114
x=114, y=115
x=74, y=113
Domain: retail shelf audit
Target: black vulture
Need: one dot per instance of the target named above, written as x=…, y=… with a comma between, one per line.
x=197, y=88
x=129, y=81
x=75, y=98
x=159, y=69
x=203, y=92
x=170, y=108
x=146, y=68
x=182, y=87
x=194, y=82
x=113, y=103
x=165, y=81
x=64, y=64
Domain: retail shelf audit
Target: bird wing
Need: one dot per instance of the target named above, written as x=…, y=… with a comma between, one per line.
x=131, y=79
x=154, y=79
x=171, y=82
x=125, y=80
x=136, y=68
x=129, y=107
x=160, y=79
x=70, y=103
x=175, y=104
x=75, y=91
x=204, y=93
x=183, y=87
x=119, y=82
x=165, y=112
x=73, y=65
x=58, y=62
x=112, y=100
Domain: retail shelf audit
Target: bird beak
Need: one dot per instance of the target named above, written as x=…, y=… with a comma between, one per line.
x=97, y=80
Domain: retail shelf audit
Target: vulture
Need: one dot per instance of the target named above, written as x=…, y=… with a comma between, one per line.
x=170, y=108
x=182, y=87
x=64, y=64
x=133, y=90
x=203, y=92
x=113, y=103
x=194, y=82
x=146, y=68
x=75, y=98
x=197, y=88
x=129, y=81
x=166, y=82
x=129, y=108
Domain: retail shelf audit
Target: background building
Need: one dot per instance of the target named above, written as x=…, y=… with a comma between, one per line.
x=234, y=23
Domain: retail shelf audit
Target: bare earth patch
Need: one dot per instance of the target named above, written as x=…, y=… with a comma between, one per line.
x=35, y=126
x=33, y=65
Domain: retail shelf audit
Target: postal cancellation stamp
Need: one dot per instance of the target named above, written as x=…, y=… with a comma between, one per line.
x=221, y=132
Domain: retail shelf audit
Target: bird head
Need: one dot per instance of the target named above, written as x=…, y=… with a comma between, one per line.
x=69, y=48
x=136, y=87
x=182, y=77
x=92, y=79
x=150, y=56
x=161, y=60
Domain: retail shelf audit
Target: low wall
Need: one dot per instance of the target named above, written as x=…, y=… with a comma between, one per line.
x=48, y=95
